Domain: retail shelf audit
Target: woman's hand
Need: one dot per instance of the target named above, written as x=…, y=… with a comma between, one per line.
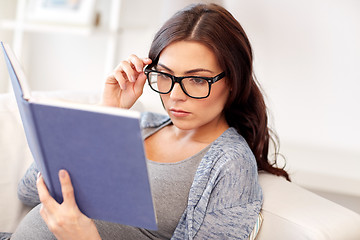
x=125, y=85
x=65, y=220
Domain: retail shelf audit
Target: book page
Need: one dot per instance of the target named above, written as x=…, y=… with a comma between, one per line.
x=86, y=107
x=19, y=72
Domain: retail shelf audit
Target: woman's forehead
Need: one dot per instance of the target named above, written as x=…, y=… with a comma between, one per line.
x=186, y=55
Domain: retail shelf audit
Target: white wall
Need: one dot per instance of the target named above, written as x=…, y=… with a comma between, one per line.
x=7, y=10
x=307, y=58
x=76, y=61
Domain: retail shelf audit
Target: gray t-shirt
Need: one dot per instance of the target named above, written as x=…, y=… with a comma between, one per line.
x=170, y=185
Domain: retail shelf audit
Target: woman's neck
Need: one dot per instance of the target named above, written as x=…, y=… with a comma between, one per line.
x=203, y=134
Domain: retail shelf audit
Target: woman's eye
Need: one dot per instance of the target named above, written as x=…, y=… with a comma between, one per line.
x=163, y=76
x=198, y=81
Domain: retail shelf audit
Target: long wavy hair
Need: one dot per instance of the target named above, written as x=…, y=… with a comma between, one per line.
x=245, y=110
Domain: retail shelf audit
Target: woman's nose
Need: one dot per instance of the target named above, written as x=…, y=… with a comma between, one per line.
x=177, y=93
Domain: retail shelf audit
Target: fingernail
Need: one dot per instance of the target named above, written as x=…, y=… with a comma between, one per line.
x=62, y=173
x=39, y=175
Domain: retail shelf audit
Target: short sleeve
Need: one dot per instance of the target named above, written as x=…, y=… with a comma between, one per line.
x=27, y=190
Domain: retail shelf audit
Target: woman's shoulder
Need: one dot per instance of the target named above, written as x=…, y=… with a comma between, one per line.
x=152, y=120
x=232, y=149
x=231, y=142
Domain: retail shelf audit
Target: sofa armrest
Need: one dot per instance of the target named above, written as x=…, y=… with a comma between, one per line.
x=292, y=212
x=15, y=157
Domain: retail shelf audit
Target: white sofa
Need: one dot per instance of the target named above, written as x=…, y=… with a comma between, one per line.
x=289, y=211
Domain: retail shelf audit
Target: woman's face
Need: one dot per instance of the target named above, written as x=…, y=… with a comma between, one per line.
x=190, y=58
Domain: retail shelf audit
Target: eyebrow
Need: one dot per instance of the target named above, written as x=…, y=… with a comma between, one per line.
x=196, y=70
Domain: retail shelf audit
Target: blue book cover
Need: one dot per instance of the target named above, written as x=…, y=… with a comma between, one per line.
x=100, y=147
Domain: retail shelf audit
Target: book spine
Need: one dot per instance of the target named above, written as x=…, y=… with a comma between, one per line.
x=39, y=153
x=27, y=114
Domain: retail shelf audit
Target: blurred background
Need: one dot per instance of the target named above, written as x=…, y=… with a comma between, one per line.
x=307, y=59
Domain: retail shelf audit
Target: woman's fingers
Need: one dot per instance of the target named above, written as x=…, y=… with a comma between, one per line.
x=67, y=188
x=43, y=213
x=139, y=63
x=125, y=85
x=65, y=220
x=139, y=84
x=129, y=71
x=146, y=61
x=124, y=73
x=136, y=62
x=44, y=195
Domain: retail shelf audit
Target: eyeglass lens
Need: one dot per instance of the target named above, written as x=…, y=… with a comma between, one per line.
x=193, y=86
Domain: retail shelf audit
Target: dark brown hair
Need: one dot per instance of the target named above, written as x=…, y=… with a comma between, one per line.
x=245, y=109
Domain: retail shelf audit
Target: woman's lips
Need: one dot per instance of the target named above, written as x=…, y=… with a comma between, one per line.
x=178, y=112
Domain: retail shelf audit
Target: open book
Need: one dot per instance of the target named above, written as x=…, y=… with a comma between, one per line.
x=100, y=147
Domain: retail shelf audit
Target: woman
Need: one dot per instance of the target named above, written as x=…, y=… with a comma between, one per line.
x=203, y=157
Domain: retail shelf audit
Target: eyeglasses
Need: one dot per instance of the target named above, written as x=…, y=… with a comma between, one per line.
x=192, y=86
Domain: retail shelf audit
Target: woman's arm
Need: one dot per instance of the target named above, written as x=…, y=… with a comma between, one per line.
x=234, y=203
x=65, y=220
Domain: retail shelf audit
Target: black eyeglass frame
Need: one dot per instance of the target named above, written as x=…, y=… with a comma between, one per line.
x=209, y=80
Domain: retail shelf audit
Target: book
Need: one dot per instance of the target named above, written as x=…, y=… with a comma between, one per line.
x=101, y=148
